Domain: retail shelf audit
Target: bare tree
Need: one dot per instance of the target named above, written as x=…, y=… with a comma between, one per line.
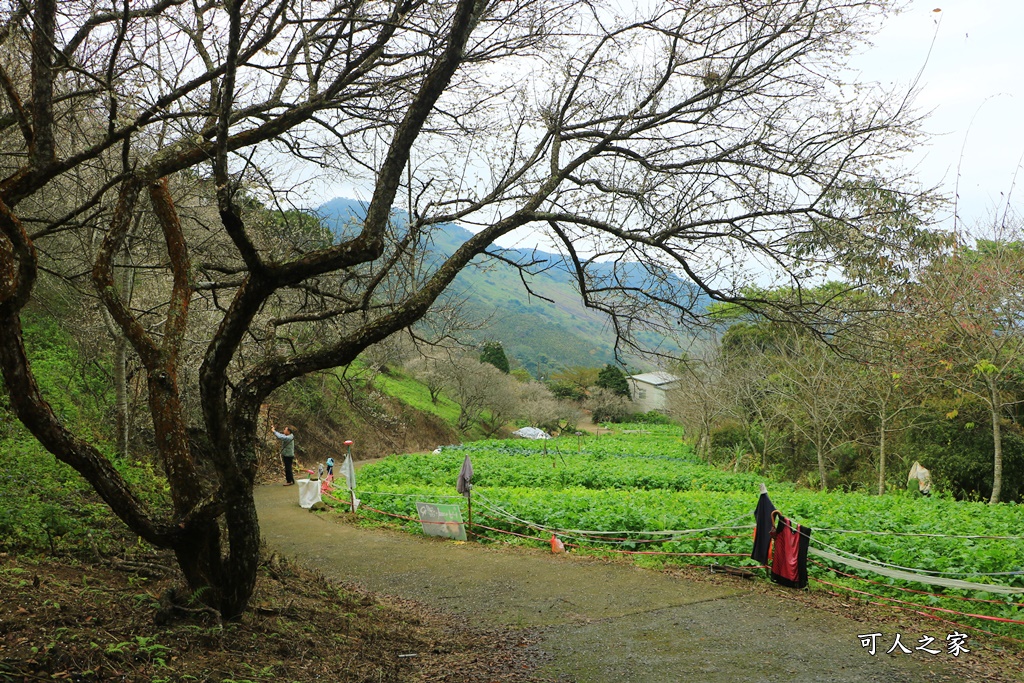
x=473, y=385
x=502, y=402
x=430, y=372
x=539, y=408
x=813, y=385
x=888, y=386
x=607, y=406
x=680, y=139
x=755, y=405
x=701, y=399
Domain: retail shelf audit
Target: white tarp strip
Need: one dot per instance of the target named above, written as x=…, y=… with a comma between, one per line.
x=918, y=578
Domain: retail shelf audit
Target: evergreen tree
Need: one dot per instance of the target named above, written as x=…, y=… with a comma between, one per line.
x=614, y=380
x=494, y=353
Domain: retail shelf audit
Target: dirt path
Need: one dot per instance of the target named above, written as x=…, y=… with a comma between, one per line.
x=603, y=621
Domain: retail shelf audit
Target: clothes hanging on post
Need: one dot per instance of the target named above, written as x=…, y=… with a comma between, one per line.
x=763, y=522
x=789, y=556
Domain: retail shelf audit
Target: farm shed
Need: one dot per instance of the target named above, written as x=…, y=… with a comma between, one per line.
x=649, y=390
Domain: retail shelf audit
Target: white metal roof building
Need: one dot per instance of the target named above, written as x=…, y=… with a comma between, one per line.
x=649, y=390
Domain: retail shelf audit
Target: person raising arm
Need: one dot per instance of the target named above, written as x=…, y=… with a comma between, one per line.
x=287, y=440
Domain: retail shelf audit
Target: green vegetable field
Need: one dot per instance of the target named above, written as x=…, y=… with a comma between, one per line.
x=641, y=492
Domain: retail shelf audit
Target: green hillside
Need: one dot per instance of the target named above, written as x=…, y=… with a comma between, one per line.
x=541, y=336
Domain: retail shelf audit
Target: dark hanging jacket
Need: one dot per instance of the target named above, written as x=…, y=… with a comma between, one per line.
x=763, y=528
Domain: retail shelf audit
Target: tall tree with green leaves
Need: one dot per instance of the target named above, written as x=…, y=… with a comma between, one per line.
x=613, y=379
x=493, y=353
x=578, y=376
x=970, y=306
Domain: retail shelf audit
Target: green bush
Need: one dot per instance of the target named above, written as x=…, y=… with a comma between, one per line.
x=566, y=391
x=729, y=436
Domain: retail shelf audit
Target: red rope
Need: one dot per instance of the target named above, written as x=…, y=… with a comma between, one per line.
x=608, y=550
x=678, y=539
x=653, y=552
x=511, y=533
x=934, y=617
x=986, y=617
x=919, y=592
x=410, y=519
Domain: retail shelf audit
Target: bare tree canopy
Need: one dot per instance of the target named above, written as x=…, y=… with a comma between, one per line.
x=700, y=137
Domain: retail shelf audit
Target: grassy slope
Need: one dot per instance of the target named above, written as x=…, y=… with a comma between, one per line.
x=415, y=394
x=45, y=506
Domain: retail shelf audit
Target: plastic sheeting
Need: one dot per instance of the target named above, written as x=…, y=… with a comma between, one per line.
x=531, y=433
x=923, y=477
x=919, y=578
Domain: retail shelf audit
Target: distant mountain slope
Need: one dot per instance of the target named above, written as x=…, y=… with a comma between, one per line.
x=541, y=336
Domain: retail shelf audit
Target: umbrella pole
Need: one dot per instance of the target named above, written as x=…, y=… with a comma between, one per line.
x=469, y=500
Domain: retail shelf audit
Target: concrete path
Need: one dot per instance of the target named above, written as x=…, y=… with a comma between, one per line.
x=602, y=622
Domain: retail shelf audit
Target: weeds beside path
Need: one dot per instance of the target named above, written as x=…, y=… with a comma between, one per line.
x=608, y=621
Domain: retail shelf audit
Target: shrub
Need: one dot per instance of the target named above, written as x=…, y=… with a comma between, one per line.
x=959, y=454
x=652, y=417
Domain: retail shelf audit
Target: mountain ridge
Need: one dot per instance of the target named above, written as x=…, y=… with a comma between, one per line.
x=562, y=334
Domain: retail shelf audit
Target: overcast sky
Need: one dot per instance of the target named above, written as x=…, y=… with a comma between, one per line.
x=972, y=84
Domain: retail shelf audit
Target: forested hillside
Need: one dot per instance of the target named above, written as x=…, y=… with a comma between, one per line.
x=931, y=371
